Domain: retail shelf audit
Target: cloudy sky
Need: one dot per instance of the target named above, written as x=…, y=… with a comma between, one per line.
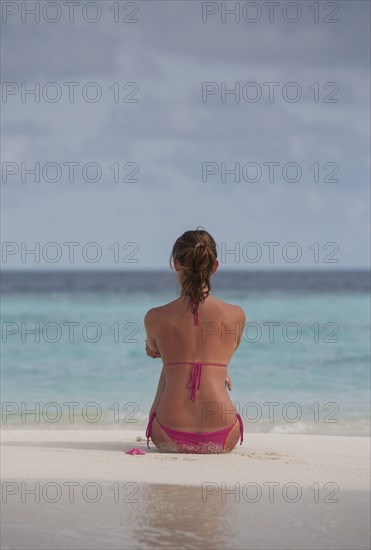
x=134, y=93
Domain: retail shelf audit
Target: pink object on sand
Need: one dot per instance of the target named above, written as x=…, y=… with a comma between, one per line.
x=135, y=451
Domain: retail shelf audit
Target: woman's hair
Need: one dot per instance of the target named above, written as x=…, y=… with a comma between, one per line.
x=196, y=253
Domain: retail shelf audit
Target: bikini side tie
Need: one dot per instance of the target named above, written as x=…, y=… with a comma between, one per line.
x=149, y=428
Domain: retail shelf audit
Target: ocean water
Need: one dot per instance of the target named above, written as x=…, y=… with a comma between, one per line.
x=73, y=349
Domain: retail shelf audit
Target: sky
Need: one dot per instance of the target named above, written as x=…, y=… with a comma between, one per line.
x=152, y=118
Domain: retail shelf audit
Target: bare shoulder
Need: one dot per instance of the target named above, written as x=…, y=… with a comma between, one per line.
x=235, y=311
x=150, y=316
x=239, y=312
x=154, y=313
x=239, y=315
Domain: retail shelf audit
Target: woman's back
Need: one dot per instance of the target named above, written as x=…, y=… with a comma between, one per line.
x=213, y=340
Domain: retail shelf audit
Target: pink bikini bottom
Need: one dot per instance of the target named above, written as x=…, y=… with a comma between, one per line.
x=193, y=442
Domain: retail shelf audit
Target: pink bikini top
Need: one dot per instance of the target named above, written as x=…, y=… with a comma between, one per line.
x=195, y=379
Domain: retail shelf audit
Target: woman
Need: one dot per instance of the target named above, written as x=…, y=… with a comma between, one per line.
x=196, y=336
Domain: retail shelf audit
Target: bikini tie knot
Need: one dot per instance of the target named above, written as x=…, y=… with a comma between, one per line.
x=149, y=428
x=195, y=317
x=195, y=380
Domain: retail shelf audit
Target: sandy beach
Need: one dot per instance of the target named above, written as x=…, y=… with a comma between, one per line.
x=316, y=487
x=285, y=458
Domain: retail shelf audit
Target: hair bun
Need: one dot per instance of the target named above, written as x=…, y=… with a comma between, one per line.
x=199, y=244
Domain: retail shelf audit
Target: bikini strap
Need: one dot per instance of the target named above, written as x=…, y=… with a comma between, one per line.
x=195, y=379
x=195, y=363
x=195, y=317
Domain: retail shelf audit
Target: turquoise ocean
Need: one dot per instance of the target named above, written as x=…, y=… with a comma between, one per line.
x=73, y=349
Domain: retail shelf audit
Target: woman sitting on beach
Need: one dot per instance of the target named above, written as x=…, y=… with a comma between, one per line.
x=196, y=336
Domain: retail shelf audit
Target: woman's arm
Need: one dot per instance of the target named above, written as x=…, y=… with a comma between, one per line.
x=151, y=344
x=160, y=389
x=241, y=324
x=153, y=351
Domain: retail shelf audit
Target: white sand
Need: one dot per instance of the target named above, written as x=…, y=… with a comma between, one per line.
x=99, y=455
x=161, y=497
